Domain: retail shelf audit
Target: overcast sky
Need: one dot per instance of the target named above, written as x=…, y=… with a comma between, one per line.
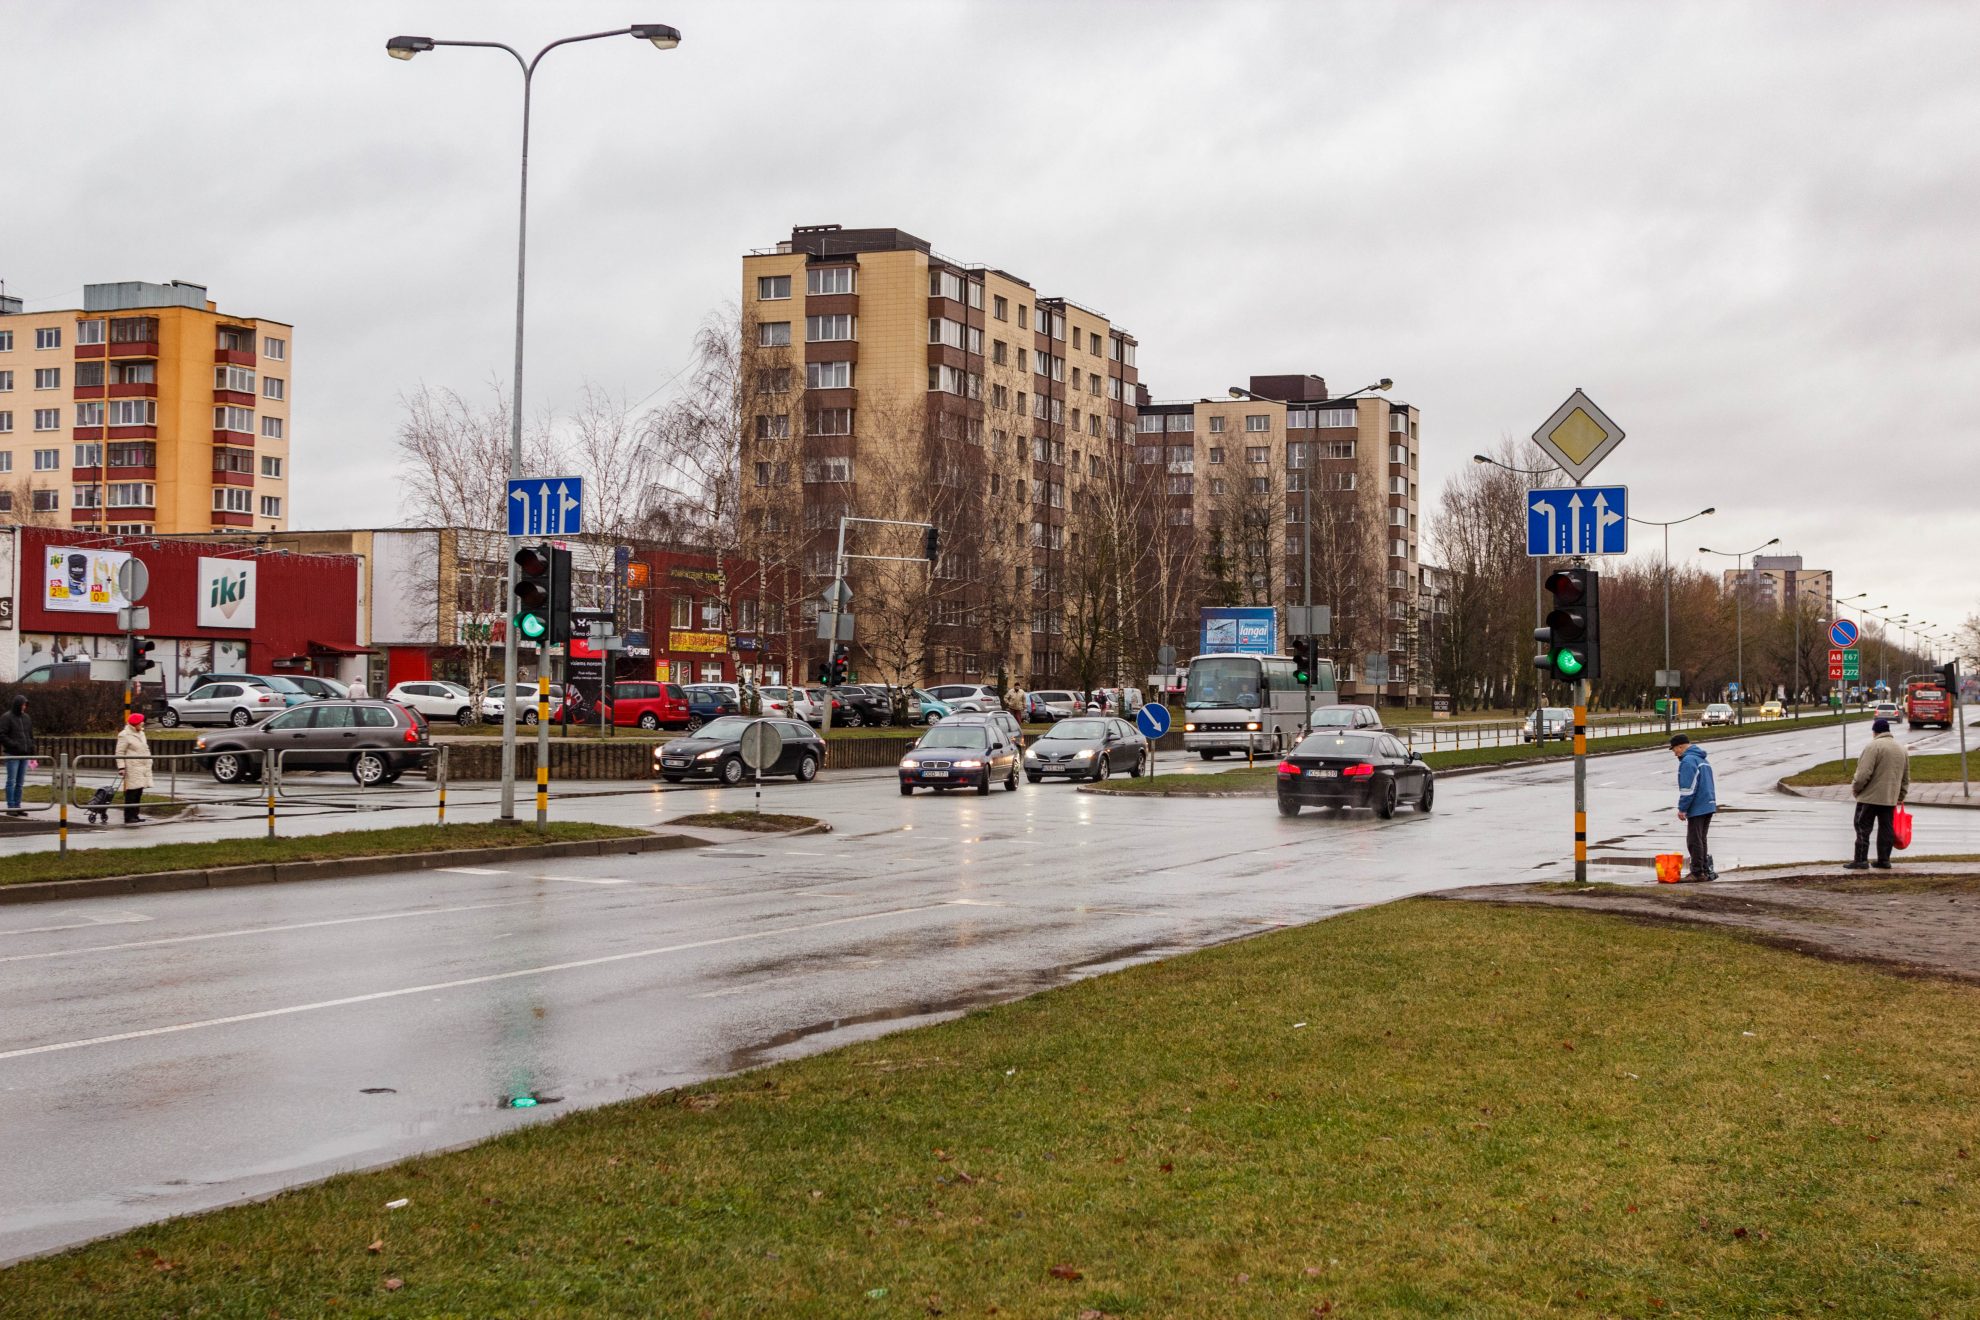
x=1747, y=231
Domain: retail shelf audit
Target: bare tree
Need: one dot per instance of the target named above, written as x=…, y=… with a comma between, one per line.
x=17, y=507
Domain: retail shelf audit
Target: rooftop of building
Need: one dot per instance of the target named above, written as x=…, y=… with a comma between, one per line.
x=135, y=296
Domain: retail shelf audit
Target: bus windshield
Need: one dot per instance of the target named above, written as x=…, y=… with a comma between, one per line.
x=1223, y=682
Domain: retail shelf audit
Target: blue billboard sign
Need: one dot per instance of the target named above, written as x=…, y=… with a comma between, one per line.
x=1248, y=629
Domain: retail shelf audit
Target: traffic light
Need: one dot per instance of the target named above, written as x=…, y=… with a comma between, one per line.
x=1949, y=671
x=1573, y=634
x=560, y=594
x=1302, y=658
x=931, y=543
x=825, y=674
x=141, y=661
x=841, y=665
x=533, y=593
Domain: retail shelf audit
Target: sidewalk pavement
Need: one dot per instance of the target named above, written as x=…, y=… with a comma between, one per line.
x=1921, y=795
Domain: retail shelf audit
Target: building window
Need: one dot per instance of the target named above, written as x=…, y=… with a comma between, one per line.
x=233, y=499
x=271, y=427
x=89, y=332
x=89, y=374
x=941, y=330
x=240, y=379
x=1398, y=425
x=1024, y=317
x=1150, y=422
x=818, y=470
x=1257, y=454
x=133, y=412
x=1257, y=422
x=1337, y=481
x=131, y=495
x=47, y=501
x=829, y=279
x=271, y=466
x=88, y=455
x=762, y=474
x=230, y=418
x=832, y=421
x=773, y=288
x=1183, y=422
x=273, y=387
x=1216, y=454
x=48, y=336
x=233, y=339
x=1340, y=449
x=47, y=419
x=271, y=506
x=827, y=329
x=777, y=427
x=1296, y=455
x=1399, y=548
x=6, y=341
x=945, y=284
x=48, y=378
x=89, y=414
x=134, y=373
x=232, y=460
x=1260, y=485
x=828, y=375
x=773, y=334
x=1216, y=426
x=6, y=425
x=1182, y=484
x=140, y=454
x=278, y=349
x=999, y=352
x=6, y=381
x=1000, y=308
x=1334, y=417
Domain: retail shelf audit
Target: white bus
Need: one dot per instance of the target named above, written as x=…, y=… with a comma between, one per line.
x=1234, y=703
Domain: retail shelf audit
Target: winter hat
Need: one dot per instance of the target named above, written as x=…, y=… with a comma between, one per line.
x=1679, y=739
x=1880, y=726
x=134, y=719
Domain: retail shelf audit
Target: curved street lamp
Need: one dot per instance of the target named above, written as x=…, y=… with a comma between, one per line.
x=1739, y=606
x=1651, y=522
x=662, y=37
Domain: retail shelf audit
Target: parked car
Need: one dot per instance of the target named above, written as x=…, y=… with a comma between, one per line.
x=715, y=751
x=925, y=707
x=820, y=699
x=377, y=741
x=792, y=701
x=525, y=702
x=1059, y=703
x=710, y=701
x=993, y=719
x=960, y=756
x=650, y=705
x=1773, y=710
x=1037, y=710
x=1343, y=769
x=291, y=694
x=435, y=699
x=1351, y=717
x=967, y=698
x=228, y=701
x=862, y=704
x=1718, y=713
x=1087, y=747
x=1552, y=722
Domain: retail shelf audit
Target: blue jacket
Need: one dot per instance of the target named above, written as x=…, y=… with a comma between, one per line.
x=1698, y=791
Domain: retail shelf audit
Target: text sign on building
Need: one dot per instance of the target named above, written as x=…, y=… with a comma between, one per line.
x=226, y=593
x=1578, y=436
x=546, y=506
x=1248, y=630
x=1842, y=633
x=82, y=581
x=1577, y=520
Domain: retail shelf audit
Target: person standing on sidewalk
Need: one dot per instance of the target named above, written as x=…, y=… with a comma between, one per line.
x=1698, y=801
x=1883, y=779
x=133, y=764
x=17, y=745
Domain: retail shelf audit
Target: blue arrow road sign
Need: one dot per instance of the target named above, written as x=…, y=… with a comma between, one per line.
x=1843, y=633
x=1153, y=720
x=546, y=506
x=1577, y=520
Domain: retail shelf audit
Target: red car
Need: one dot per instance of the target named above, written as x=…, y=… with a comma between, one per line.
x=650, y=705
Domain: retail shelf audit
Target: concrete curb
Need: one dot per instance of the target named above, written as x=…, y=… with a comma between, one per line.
x=1782, y=786
x=336, y=868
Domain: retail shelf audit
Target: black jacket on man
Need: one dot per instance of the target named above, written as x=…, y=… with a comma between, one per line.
x=17, y=733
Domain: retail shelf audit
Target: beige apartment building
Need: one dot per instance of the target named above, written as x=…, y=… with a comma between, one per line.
x=1235, y=469
x=1778, y=580
x=886, y=381
x=147, y=410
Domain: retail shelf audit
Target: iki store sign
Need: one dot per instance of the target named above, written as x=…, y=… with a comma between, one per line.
x=226, y=593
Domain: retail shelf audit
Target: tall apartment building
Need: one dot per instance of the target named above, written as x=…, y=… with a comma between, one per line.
x=1777, y=580
x=887, y=381
x=1235, y=470
x=147, y=410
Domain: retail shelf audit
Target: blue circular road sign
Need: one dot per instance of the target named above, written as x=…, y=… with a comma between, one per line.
x=1842, y=633
x=1153, y=720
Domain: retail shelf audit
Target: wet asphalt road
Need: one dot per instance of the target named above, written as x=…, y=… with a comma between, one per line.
x=173, y=1052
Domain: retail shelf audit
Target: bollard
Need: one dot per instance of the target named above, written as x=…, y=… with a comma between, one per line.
x=62, y=794
x=443, y=785
x=268, y=773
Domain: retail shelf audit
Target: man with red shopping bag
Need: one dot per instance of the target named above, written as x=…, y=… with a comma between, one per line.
x=1883, y=779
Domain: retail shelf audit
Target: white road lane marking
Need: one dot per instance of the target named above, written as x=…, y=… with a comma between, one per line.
x=114, y=919
x=468, y=870
x=583, y=880
x=465, y=981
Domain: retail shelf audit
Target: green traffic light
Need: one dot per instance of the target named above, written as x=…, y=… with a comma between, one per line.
x=1567, y=663
x=532, y=626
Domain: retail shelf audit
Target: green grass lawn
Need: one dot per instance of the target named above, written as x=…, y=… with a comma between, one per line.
x=87, y=863
x=769, y=822
x=1934, y=768
x=1420, y=1109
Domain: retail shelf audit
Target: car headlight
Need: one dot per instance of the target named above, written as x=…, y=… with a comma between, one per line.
x=969, y=765
x=199, y=743
x=1031, y=753
x=1253, y=726
x=1083, y=754
x=712, y=754
x=1189, y=728
x=907, y=763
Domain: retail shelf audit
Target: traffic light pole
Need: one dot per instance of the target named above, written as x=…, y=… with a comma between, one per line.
x=1581, y=782
x=832, y=634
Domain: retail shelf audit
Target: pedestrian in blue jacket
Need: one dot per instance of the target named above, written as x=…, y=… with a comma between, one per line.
x=1698, y=799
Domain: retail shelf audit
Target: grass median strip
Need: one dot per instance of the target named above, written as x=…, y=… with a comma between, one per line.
x=1932, y=768
x=1424, y=1108
x=768, y=822
x=90, y=863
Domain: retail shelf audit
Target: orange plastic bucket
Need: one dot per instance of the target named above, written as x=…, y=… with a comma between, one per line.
x=1670, y=868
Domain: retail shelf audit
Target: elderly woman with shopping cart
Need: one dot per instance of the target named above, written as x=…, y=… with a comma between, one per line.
x=133, y=765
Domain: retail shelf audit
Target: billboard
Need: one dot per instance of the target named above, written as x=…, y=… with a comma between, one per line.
x=226, y=593
x=82, y=581
x=1248, y=629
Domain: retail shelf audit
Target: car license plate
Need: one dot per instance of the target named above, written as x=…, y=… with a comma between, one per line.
x=1323, y=774
x=934, y=774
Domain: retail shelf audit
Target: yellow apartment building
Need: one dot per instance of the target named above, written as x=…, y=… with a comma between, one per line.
x=147, y=410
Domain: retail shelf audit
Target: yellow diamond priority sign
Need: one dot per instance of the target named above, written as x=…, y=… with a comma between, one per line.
x=1578, y=436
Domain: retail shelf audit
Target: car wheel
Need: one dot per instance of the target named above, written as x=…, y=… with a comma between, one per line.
x=807, y=769
x=230, y=768
x=240, y=719
x=907, y=790
x=464, y=716
x=529, y=716
x=1288, y=807
x=983, y=789
x=1140, y=765
x=368, y=768
x=649, y=721
x=1102, y=768
x=1010, y=781
x=694, y=722
x=170, y=719
x=851, y=719
x=392, y=776
x=731, y=772
x=1034, y=778
x=1429, y=795
x=1385, y=799
x=930, y=717
x=1209, y=756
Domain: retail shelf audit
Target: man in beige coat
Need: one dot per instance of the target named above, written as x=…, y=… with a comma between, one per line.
x=133, y=764
x=1883, y=779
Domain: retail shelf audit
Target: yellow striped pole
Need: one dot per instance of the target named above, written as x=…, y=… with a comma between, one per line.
x=1581, y=782
x=543, y=742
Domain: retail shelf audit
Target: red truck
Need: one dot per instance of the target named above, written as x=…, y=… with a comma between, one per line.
x=1927, y=702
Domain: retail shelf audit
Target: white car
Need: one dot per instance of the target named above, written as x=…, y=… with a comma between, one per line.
x=793, y=702
x=1556, y=722
x=436, y=700
x=491, y=702
x=1350, y=716
x=239, y=703
x=967, y=698
x=1718, y=713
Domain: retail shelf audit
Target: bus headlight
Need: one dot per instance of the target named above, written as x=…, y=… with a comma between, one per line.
x=1253, y=726
x=1189, y=728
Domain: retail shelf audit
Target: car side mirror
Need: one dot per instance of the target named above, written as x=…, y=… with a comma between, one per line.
x=1416, y=756
x=916, y=743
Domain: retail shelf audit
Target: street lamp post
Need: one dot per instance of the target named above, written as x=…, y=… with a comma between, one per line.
x=1739, y=609
x=1539, y=605
x=1306, y=511
x=1650, y=522
x=662, y=37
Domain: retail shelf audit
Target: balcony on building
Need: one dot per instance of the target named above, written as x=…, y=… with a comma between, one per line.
x=133, y=337
x=234, y=345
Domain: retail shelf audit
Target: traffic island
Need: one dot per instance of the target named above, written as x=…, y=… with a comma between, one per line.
x=755, y=822
x=93, y=872
x=1424, y=1108
x=1935, y=781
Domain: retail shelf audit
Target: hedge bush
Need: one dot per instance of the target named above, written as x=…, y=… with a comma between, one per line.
x=69, y=708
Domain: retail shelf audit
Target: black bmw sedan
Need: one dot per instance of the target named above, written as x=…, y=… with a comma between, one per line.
x=715, y=751
x=1343, y=769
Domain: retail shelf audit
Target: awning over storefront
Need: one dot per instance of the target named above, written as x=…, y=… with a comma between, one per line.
x=339, y=648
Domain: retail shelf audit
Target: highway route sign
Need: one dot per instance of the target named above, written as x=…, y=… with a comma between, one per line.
x=546, y=506
x=1577, y=520
x=1578, y=436
x=1152, y=720
x=1843, y=633
x=761, y=745
x=1845, y=666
